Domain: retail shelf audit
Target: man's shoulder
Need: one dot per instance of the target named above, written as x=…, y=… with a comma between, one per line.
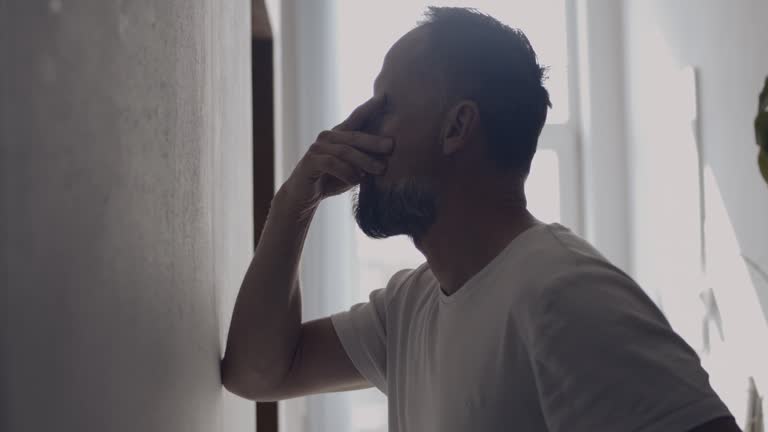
x=407, y=282
x=558, y=243
x=561, y=267
x=551, y=253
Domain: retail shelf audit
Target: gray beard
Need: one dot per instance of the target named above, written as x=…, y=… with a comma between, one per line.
x=408, y=207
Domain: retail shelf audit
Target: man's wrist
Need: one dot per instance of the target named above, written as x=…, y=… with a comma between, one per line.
x=286, y=203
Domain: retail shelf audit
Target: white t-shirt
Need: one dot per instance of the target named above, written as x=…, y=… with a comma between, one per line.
x=549, y=336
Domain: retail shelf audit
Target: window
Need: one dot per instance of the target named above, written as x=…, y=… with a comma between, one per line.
x=365, y=30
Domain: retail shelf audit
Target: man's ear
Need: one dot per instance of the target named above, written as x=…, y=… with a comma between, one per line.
x=459, y=124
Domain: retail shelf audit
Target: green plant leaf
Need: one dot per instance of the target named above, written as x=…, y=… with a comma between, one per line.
x=761, y=131
x=761, y=120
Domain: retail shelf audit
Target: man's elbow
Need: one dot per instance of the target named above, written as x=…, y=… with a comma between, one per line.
x=245, y=382
x=233, y=380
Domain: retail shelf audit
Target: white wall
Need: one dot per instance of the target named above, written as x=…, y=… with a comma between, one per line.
x=126, y=212
x=725, y=41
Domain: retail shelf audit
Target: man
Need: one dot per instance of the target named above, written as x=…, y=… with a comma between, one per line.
x=511, y=324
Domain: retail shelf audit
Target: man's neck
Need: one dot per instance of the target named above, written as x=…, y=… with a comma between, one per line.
x=468, y=236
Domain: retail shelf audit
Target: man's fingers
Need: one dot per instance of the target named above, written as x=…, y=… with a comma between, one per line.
x=361, y=114
x=338, y=168
x=362, y=141
x=352, y=156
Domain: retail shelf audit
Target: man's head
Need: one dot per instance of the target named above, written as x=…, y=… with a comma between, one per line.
x=465, y=105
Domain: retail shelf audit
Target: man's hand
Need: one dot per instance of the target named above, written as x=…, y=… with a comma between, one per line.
x=267, y=342
x=339, y=159
x=761, y=131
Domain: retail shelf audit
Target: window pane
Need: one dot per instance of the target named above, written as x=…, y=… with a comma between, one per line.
x=543, y=186
x=380, y=259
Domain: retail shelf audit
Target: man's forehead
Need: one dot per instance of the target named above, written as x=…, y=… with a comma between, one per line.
x=404, y=57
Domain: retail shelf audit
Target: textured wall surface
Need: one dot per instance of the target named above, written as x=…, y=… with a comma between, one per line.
x=126, y=212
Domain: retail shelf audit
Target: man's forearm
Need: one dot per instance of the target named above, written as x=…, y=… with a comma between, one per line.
x=266, y=321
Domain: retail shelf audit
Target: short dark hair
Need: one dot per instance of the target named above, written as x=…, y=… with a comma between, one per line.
x=494, y=65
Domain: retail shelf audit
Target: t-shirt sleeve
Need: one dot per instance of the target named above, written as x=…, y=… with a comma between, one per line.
x=606, y=359
x=362, y=331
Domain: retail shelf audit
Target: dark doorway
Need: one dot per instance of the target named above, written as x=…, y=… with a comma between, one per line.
x=263, y=151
